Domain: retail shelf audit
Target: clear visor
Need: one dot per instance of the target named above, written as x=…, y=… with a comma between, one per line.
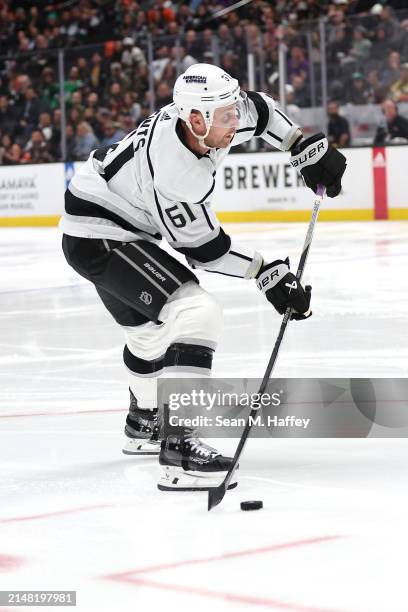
x=231, y=116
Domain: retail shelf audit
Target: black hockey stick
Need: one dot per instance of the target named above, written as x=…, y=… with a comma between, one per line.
x=216, y=494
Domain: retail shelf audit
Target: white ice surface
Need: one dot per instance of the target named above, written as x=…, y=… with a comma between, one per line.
x=333, y=532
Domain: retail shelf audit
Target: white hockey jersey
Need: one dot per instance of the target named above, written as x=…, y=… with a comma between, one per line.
x=151, y=185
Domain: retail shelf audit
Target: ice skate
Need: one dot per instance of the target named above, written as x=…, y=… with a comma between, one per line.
x=187, y=464
x=141, y=430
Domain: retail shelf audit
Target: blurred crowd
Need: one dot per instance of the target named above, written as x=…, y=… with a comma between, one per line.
x=106, y=85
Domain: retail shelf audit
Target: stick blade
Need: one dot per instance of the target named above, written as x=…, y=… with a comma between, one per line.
x=216, y=495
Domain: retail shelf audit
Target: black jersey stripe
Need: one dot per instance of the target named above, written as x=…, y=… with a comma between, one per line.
x=203, y=208
x=262, y=109
x=149, y=161
x=247, y=129
x=83, y=208
x=156, y=199
x=241, y=256
x=274, y=136
x=210, y=191
x=132, y=133
x=207, y=194
x=283, y=116
x=102, y=152
x=209, y=251
x=119, y=161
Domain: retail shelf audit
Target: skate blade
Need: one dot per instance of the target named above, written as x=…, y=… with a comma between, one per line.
x=134, y=446
x=176, y=479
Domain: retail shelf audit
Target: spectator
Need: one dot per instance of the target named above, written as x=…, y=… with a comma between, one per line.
x=116, y=100
x=83, y=69
x=229, y=62
x=301, y=96
x=297, y=64
x=55, y=140
x=164, y=95
x=70, y=142
x=91, y=118
x=359, y=92
x=49, y=88
x=361, y=47
x=126, y=123
x=86, y=141
x=112, y=133
x=132, y=55
x=92, y=100
x=394, y=127
x=103, y=115
x=13, y=155
x=240, y=45
x=380, y=45
x=27, y=111
x=7, y=116
x=96, y=72
x=391, y=72
x=117, y=77
x=46, y=125
x=340, y=47
x=76, y=103
x=192, y=43
x=180, y=58
x=132, y=106
x=399, y=90
x=376, y=92
x=37, y=150
x=5, y=145
x=160, y=62
x=338, y=126
x=225, y=40
x=390, y=24
x=73, y=83
x=403, y=48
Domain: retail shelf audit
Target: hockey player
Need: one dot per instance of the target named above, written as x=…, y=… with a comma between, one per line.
x=156, y=184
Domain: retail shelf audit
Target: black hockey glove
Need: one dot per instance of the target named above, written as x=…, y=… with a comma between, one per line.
x=282, y=289
x=319, y=163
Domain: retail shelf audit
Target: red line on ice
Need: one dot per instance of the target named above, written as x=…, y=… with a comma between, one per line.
x=134, y=576
x=34, y=517
x=243, y=599
x=231, y=555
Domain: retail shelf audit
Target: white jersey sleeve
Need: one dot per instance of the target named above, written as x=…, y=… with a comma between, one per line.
x=264, y=119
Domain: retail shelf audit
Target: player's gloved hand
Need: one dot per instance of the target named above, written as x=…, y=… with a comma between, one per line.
x=319, y=163
x=282, y=289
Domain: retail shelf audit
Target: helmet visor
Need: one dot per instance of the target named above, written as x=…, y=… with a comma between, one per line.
x=231, y=116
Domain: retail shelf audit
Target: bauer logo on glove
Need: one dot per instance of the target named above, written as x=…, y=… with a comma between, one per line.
x=282, y=289
x=319, y=164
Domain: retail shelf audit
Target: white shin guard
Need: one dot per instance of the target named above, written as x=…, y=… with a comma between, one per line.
x=190, y=317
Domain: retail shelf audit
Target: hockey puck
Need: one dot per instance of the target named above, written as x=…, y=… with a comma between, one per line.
x=251, y=505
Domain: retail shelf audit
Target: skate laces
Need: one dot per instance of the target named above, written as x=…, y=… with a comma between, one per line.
x=199, y=447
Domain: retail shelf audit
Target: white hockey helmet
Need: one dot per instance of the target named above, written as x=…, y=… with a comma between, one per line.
x=205, y=88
